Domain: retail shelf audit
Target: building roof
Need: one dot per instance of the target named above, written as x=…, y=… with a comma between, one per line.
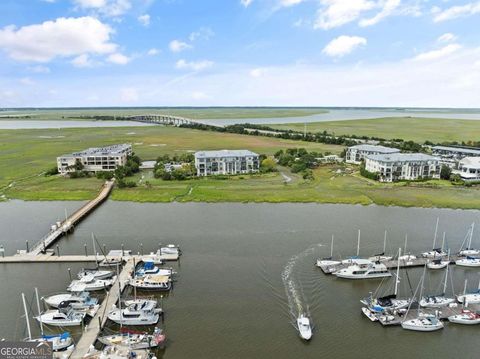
x=403, y=157
x=375, y=148
x=471, y=151
x=472, y=162
x=101, y=151
x=224, y=153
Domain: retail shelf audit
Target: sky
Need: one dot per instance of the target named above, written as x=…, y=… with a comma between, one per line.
x=390, y=53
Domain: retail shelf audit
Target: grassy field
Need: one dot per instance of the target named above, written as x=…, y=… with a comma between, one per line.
x=407, y=128
x=26, y=153
x=195, y=113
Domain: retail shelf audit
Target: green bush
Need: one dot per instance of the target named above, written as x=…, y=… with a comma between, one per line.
x=51, y=172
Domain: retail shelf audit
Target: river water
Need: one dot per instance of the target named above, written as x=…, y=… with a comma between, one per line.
x=247, y=270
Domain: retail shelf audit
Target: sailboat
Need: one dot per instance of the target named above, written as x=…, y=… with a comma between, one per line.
x=437, y=301
x=134, y=339
x=435, y=252
x=304, y=327
x=96, y=273
x=465, y=316
x=381, y=257
x=59, y=342
x=469, y=251
x=328, y=261
x=470, y=298
x=423, y=322
x=355, y=259
x=407, y=257
x=468, y=262
x=145, y=312
x=439, y=263
x=389, y=302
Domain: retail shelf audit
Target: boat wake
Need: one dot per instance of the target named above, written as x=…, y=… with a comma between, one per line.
x=297, y=301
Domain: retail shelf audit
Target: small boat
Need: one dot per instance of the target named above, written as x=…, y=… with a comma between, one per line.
x=469, y=251
x=135, y=340
x=437, y=301
x=96, y=273
x=438, y=264
x=304, y=327
x=469, y=298
x=111, y=262
x=328, y=261
x=171, y=249
x=149, y=268
x=143, y=312
x=381, y=257
x=88, y=309
x=406, y=257
x=118, y=352
x=367, y=271
x=88, y=283
x=156, y=258
x=152, y=282
x=434, y=253
x=370, y=314
x=425, y=323
x=60, y=318
x=465, y=317
x=82, y=298
x=468, y=262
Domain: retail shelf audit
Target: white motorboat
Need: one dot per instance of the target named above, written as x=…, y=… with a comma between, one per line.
x=81, y=298
x=111, y=262
x=58, y=342
x=152, y=282
x=468, y=262
x=426, y=323
x=156, y=258
x=96, y=273
x=60, y=318
x=364, y=271
x=149, y=268
x=465, y=317
x=304, y=327
x=370, y=314
x=469, y=251
x=144, y=312
x=171, y=249
x=135, y=340
x=88, y=283
x=438, y=264
x=117, y=352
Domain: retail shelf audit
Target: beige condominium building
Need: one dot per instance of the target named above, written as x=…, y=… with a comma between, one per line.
x=355, y=154
x=226, y=162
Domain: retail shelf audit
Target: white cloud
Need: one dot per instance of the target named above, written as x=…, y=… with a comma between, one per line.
x=246, y=3
x=59, y=38
x=144, y=19
x=129, y=95
x=388, y=9
x=39, y=69
x=454, y=12
x=112, y=8
x=335, y=13
x=27, y=81
x=204, y=33
x=193, y=65
x=178, y=46
x=82, y=61
x=438, y=54
x=118, y=59
x=258, y=72
x=199, y=95
x=287, y=3
x=343, y=45
x=153, y=51
x=447, y=37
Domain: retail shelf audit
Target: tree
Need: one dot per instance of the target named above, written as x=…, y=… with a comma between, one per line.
x=268, y=165
x=445, y=172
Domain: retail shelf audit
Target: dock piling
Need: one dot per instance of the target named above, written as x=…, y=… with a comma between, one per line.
x=85, y=247
x=69, y=273
x=58, y=251
x=26, y=242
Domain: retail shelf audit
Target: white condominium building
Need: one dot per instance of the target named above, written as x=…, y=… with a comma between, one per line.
x=355, y=154
x=226, y=162
x=469, y=169
x=95, y=159
x=403, y=166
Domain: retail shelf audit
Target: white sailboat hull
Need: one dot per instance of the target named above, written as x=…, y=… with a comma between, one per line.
x=361, y=276
x=422, y=325
x=473, y=298
x=57, y=343
x=463, y=319
x=468, y=263
x=117, y=317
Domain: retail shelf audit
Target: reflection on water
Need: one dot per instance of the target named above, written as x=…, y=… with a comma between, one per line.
x=230, y=299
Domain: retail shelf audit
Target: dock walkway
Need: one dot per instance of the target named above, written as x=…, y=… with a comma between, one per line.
x=49, y=258
x=41, y=246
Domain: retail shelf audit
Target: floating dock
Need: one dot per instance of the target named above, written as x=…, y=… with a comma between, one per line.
x=49, y=258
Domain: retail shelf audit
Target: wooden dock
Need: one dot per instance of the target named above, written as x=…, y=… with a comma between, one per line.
x=92, y=330
x=49, y=258
x=65, y=226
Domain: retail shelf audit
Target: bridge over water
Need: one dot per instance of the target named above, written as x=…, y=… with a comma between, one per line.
x=162, y=119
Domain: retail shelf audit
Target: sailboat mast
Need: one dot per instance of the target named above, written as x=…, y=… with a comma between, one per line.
x=397, y=280
x=358, y=243
x=446, y=279
x=471, y=236
x=119, y=297
x=94, y=249
x=26, y=316
x=405, y=247
x=384, y=241
x=435, y=235
x=331, y=247
x=443, y=241
x=39, y=311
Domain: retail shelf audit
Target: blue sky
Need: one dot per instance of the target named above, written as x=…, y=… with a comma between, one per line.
x=423, y=53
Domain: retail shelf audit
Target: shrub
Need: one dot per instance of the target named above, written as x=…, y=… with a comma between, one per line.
x=51, y=172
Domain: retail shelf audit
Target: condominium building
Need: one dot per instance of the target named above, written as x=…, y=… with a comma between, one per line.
x=226, y=162
x=355, y=154
x=469, y=169
x=403, y=166
x=451, y=156
x=95, y=159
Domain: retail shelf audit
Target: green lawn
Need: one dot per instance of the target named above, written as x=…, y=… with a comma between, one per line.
x=407, y=128
x=26, y=153
x=195, y=113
